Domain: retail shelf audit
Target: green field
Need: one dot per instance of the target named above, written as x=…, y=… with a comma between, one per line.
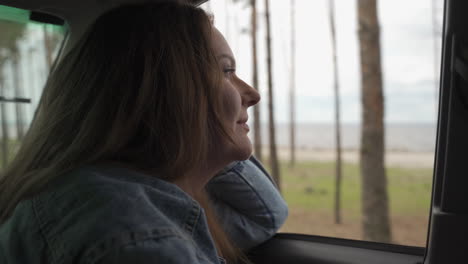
x=309, y=191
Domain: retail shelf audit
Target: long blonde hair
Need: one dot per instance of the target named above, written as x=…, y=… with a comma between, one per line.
x=140, y=88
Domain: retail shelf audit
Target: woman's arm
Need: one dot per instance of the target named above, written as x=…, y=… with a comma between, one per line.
x=247, y=203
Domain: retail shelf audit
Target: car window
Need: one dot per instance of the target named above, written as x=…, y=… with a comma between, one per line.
x=410, y=47
x=27, y=52
x=410, y=44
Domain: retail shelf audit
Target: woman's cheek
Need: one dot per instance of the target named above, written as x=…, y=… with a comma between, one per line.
x=231, y=103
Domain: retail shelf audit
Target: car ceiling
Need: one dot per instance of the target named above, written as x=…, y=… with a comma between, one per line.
x=78, y=14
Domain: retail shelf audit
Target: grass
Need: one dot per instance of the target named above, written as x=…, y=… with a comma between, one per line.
x=309, y=189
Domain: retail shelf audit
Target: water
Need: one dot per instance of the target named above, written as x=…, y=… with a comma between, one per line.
x=398, y=137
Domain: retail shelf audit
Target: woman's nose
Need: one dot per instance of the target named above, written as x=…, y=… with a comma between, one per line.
x=250, y=95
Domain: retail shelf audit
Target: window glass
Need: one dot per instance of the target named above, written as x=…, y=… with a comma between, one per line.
x=410, y=43
x=27, y=51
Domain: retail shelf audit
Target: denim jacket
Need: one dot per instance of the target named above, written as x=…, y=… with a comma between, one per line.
x=115, y=215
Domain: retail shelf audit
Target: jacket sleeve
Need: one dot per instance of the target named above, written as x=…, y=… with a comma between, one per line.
x=247, y=203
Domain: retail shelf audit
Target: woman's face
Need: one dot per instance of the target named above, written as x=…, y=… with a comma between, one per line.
x=237, y=96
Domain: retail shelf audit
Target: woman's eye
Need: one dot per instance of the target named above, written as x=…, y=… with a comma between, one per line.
x=229, y=72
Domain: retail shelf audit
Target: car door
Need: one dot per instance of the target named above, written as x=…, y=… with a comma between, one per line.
x=448, y=230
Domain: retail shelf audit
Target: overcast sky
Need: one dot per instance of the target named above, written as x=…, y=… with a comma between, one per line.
x=408, y=60
x=407, y=56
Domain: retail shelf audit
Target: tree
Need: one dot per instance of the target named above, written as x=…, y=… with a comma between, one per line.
x=18, y=84
x=271, y=119
x=436, y=38
x=5, y=136
x=51, y=41
x=338, y=170
x=256, y=108
x=292, y=93
x=11, y=33
x=375, y=209
x=14, y=55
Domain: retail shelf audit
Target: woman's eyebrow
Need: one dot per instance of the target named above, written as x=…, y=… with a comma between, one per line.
x=229, y=57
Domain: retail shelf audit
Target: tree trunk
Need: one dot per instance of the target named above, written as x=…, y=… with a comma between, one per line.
x=3, y=115
x=376, y=224
x=18, y=86
x=31, y=75
x=48, y=48
x=256, y=108
x=292, y=94
x=338, y=170
x=271, y=124
x=436, y=40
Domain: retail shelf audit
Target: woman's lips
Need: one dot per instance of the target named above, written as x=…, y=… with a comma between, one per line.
x=245, y=126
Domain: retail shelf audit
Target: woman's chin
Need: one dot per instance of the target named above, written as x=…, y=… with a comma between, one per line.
x=243, y=152
x=240, y=151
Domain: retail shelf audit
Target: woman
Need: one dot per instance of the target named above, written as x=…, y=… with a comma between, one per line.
x=138, y=151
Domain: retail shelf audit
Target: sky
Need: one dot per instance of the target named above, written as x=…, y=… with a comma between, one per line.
x=409, y=61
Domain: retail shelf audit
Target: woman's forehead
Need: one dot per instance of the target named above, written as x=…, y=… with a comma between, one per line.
x=220, y=44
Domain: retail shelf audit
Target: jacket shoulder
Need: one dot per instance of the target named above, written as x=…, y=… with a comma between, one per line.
x=93, y=207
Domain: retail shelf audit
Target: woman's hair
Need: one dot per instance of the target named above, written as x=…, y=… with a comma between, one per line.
x=141, y=88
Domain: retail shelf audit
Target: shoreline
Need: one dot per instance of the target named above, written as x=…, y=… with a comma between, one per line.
x=393, y=158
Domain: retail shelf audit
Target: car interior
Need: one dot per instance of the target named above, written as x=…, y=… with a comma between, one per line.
x=447, y=240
